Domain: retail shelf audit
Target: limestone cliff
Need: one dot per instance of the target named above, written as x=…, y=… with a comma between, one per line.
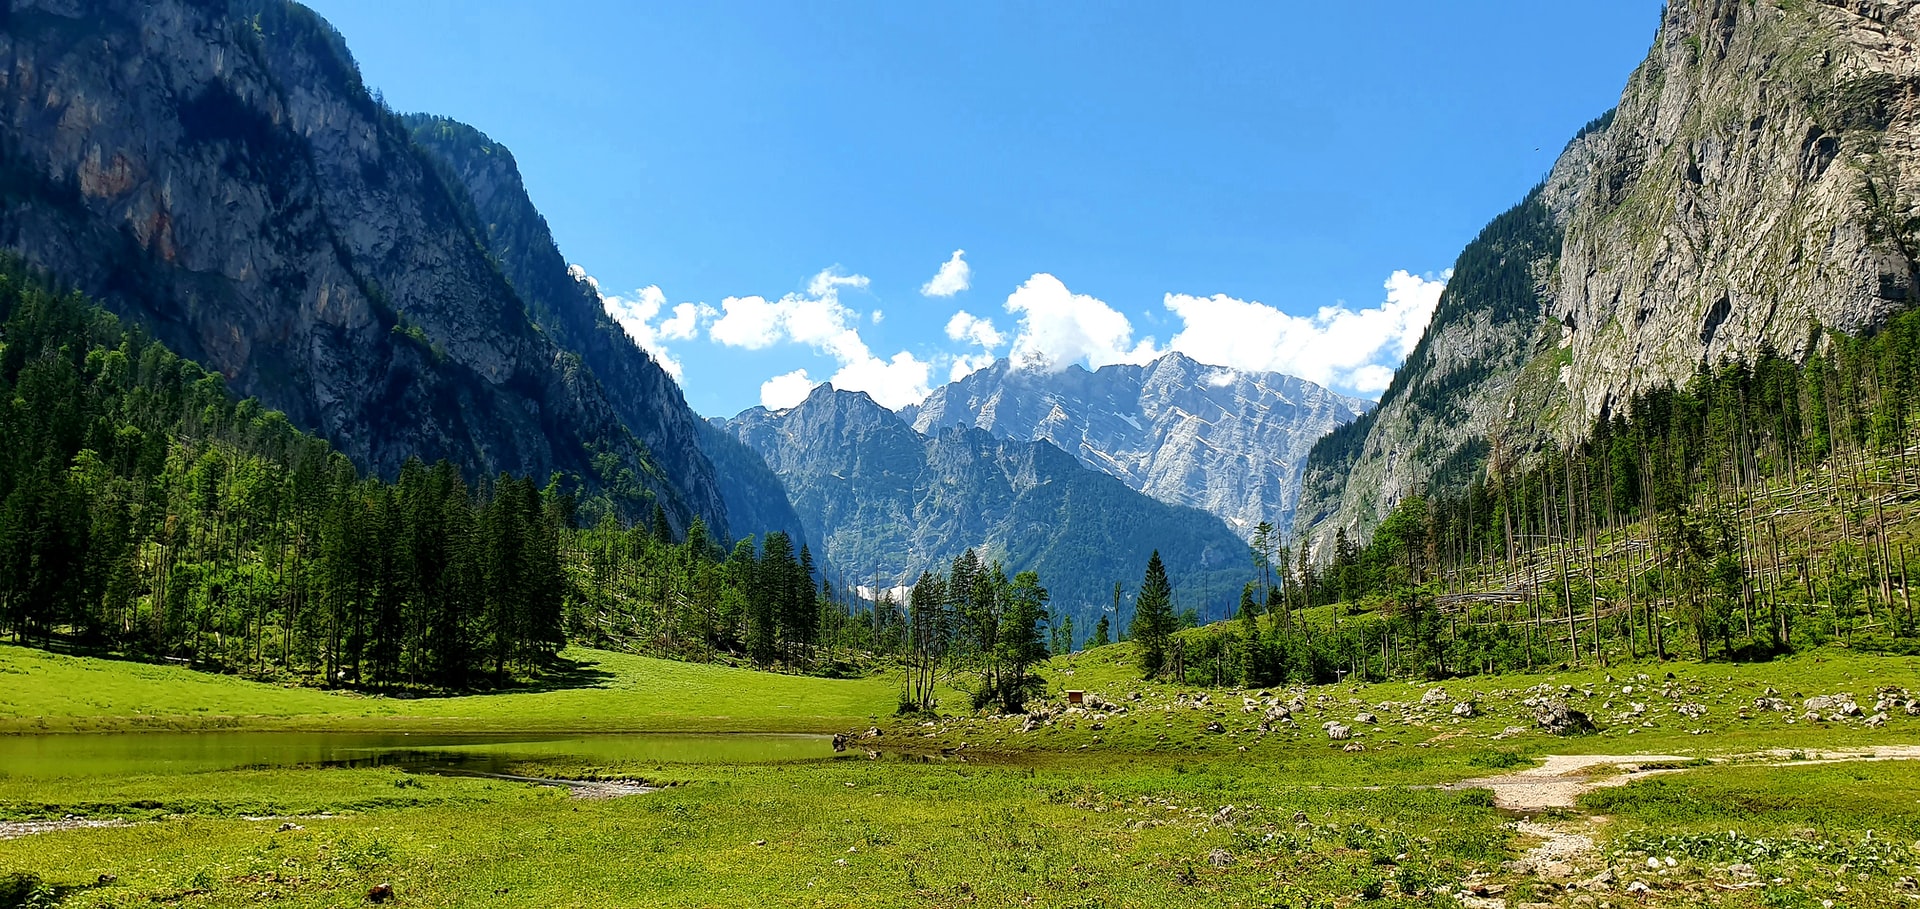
x=1756, y=185
x=217, y=172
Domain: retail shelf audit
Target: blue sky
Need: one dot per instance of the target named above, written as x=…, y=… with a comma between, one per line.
x=770, y=188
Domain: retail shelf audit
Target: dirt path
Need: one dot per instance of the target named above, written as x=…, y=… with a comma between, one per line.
x=1563, y=778
x=15, y=829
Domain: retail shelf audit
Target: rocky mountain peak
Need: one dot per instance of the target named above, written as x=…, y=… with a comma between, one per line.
x=1186, y=433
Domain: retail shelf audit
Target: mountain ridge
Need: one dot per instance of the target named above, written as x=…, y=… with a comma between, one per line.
x=1230, y=442
x=881, y=499
x=219, y=173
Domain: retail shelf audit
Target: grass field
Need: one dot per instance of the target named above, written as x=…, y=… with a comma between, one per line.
x=46, y=692
x=1150, y=810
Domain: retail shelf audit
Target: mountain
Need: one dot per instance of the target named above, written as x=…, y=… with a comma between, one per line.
x=1755, y=188
x=756, y=500
x=885, y=502
x=1230, y=443
x=218, y=173
x=568, y=308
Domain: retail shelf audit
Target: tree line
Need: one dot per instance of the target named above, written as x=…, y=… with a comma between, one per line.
x=1758, y=508
x=144, y=510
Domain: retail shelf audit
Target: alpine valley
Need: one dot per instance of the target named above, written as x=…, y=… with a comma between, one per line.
x=356, y=550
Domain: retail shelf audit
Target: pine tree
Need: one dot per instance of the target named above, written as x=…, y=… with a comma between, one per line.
x=1153, y=618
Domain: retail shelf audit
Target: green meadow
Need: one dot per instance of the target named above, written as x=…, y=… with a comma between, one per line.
x=1151, y=809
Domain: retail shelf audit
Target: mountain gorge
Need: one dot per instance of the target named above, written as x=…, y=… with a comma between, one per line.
x=882, y=501
x=1229, y=443
x=217, y=173
x=1755, y=189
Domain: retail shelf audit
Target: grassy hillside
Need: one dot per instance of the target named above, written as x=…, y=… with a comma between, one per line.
x=604, y=691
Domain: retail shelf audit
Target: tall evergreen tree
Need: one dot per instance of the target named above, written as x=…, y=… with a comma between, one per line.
x=1153, y=618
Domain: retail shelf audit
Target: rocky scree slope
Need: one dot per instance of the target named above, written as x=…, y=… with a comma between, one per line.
x=218, y=173
x=1230, y=443
x=885, y=502
x=1758, y=184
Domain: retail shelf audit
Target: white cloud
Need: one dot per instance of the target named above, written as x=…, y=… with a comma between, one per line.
x=831, y=280
x=954, y=276
x=1371, y=380
x=636, y=314
x=787, y=390
x=819, y=320
x=965, y=326
x=684, y=325
x=893, y=383
x=965, y=365
x=1059, y=327
x=1337, y=346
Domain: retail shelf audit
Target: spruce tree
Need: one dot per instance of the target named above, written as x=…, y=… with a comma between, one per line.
x=1153, y=618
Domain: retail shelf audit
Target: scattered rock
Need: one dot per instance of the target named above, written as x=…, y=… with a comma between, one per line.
x=1558, y=719
x=1354, y=748
x=1367, y=719
x=1464, y=710
x=1339, y=733
x=1219, y=858
x=289, y=825
x=1216, y=728
x=1835, y=706
x=1434, y=696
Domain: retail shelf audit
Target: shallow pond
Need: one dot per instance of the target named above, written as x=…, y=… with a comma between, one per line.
x=121, y=754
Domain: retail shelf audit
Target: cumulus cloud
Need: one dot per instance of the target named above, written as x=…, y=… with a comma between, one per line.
x=964, y=365
x=1059, y=327
x=636, y=314
x=965, y=326
x=1337, y=346
x=786, y=390
x=684, y=324
x=954, y=276
x=1354, y=350
x=818, y=319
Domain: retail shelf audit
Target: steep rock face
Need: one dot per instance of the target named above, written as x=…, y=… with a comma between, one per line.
x=1436, y=421
x=1229, y=443
x=1756, y=185
x=1761, y=179
x=217, y=172
x=570, y=310
x=885, y=501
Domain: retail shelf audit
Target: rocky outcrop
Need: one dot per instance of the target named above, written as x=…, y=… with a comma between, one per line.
x=1761, y=180
x=884, y=502
x=1229, y=443
x=1756, y=187
x=217, y=173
